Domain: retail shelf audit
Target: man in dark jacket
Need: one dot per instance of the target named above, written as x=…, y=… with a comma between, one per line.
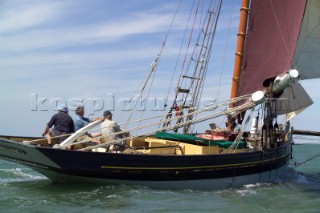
x=60, y=124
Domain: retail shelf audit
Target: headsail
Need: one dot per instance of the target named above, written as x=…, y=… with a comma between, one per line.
x=292, y=101
x=307, y=53
x=272, y=34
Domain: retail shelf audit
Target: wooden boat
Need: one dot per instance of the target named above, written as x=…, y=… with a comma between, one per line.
x=174, y=157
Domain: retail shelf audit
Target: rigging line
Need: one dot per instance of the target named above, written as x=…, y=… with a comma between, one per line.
x=115, y=141
x=279, y=28
x=197, y=54
x=148, y=94
x=178, y=125
x=309, y=159
x=154, y=66
x=201, y=58
x=161, y=53
x=137, y=89
x=206, y=40
x=174, y=17
x=142, y=89
x=210, y=41
x=224, y=54
x=221, y=104
x=190, y=37
x=236, y=142
x=176, y=65
x=208, y=52
x=197, y=111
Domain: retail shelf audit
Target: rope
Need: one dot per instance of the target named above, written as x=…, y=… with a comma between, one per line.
x=201, y=56
x=190, y=37
x=154, y=66
x=309, y=159
x=212, y=107
x=177, y=61
x=207, y=117
x=224, y=55
x=236, y=142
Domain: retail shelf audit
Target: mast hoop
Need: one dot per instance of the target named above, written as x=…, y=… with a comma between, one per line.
x=242, y=34
x=246, y=9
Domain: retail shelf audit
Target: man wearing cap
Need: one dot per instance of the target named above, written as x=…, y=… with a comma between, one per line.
x=60, y=123
x=109, y=128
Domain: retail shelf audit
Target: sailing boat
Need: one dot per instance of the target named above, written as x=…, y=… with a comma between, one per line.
x=172, y=156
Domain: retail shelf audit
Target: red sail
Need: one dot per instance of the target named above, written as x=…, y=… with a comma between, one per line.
x=272, y=35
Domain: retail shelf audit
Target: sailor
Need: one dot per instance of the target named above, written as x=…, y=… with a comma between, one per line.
x=80, y=121
x=60, y=124
x=110, y=129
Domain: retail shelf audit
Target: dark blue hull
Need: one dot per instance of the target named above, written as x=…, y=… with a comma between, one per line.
x=67, y=165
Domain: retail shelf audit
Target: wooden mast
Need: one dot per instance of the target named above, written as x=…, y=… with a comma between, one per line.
x=238, y=58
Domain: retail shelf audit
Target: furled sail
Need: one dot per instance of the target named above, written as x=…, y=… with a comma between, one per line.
x=272, y=35
x=307, y=53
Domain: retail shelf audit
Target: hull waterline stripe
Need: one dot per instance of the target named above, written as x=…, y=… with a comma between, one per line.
x=193, y=167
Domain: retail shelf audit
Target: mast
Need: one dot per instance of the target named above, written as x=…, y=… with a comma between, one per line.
x=238, y=58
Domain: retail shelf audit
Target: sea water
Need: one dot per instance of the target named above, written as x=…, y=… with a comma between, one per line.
x=24, y=190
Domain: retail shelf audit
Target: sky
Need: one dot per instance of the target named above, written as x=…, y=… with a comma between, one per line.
x=96, y=53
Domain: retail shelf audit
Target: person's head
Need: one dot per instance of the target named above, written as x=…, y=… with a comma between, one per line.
x=63, y=108
x=107, y=114
x=80, y=110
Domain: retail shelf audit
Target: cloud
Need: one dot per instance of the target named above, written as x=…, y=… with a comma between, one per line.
x=67, y=49
x=20, y=15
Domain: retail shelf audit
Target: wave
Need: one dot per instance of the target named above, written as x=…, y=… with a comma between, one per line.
x=18, y=174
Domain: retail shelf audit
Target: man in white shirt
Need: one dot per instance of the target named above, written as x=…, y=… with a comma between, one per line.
x=109, y=128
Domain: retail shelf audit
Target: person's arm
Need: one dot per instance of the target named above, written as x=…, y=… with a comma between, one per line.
x=95, y=119
x=45, y=131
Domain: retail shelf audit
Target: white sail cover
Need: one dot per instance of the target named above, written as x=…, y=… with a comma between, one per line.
x=294, y=100
x=307, y=54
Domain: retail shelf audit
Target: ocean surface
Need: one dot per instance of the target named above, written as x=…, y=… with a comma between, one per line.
x=23, y=190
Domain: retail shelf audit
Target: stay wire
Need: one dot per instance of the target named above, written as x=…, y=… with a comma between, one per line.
x=154, y=65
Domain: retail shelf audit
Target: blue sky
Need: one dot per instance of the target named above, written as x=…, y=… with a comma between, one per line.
x=89, y=51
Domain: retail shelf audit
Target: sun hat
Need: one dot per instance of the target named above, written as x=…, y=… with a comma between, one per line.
x=63, y=108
